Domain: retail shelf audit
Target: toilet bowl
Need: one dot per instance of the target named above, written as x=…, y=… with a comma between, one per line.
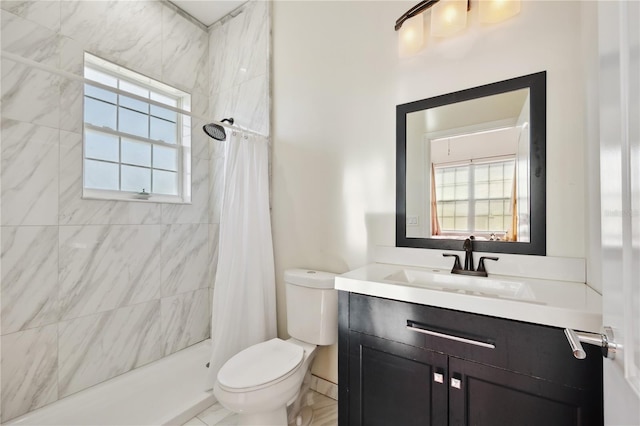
x=259, y=382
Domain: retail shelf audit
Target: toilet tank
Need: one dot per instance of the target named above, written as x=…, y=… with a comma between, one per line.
x=312, y=306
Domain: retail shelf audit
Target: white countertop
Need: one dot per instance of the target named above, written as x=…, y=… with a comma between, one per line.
x=560, y=304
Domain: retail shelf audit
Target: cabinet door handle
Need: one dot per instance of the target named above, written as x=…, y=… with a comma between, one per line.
x=417, y=328
x=438, y=377
x=456, y=383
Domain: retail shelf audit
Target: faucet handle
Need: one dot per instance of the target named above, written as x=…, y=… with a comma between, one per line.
x=481, y=267
x=456, y=263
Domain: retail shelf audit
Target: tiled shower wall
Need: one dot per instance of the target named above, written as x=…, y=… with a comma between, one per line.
x=239, y=55
x=92, y=289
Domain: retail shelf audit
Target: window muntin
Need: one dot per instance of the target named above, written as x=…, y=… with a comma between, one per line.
x=132, y=145
x=474, y=197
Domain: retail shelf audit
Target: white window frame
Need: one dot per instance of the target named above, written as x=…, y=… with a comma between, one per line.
x=471, y=200
x=183, y=134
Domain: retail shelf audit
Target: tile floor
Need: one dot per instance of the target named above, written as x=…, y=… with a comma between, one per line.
x=325, y=413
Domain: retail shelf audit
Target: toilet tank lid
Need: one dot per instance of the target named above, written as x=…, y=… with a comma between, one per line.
x=310, y=278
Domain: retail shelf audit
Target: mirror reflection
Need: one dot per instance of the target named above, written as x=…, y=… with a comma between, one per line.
x=467, y=169
x=473, y=163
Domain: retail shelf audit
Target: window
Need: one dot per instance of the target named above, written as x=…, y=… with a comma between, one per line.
x=474, y=198
x=135, y=142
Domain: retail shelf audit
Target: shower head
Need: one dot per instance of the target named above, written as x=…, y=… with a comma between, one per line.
x=216, y=131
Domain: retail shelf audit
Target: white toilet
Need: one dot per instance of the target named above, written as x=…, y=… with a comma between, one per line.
x=260, y=382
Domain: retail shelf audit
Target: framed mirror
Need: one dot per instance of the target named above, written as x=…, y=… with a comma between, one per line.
x=473, y=163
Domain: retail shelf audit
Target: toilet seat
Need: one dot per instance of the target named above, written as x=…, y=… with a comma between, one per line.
x=260, y=365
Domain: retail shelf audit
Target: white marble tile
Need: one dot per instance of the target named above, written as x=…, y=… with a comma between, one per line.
x=251, y=39
x=239, y=51
x=184, y=53
x=43, y=12
x=142, y=213
x=253, y=107
x=186, y=319
x=195, y=422
x=324, y=387
x=247, y=103
x=29, y=266
x=185, y=262
x=29, y=367
x=77, y=211
x=199, y=140
x=144, y=263
x=71, y=106
x=92, y=279
x=28, y=39
x=223, y=61
x=239, y=47
x=96, y=348
x=325, y=410
x=71, y=56
x=125, y=32
x=99, y=212
x=108, y=266
x=29, y=94
x=200, y=103
x=29, y=174
x=215, y=415
x=197, y=211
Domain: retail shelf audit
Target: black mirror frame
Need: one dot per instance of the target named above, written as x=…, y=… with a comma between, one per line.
x=537, y=84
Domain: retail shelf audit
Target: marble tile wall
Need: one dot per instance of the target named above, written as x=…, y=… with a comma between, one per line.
x=239, y=56
x=91, y=289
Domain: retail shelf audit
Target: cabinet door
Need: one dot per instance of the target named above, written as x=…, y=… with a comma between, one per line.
x=392, y=383
x=491, y=396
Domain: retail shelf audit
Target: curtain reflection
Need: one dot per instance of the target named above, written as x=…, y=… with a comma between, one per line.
x=435, y=223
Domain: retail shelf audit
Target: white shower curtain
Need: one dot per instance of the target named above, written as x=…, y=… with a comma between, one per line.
x=244, y=299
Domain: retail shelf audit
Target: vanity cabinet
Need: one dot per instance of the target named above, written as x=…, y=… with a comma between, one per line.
x=398, y=365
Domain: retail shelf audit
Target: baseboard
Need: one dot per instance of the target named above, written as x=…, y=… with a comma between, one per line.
x=324, y=387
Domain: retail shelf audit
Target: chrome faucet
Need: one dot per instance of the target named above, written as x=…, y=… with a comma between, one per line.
x=468, y=269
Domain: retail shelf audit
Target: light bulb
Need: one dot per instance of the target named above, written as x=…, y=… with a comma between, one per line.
x=411, y=36
x=448, y=17
x=493, y=11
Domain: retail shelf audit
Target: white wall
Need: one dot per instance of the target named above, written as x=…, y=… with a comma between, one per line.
x=418, y=185
x=337, y=79
x=591, y=126
x=334, y=140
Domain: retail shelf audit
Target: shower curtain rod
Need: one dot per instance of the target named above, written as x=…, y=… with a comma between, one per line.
x=34, y=64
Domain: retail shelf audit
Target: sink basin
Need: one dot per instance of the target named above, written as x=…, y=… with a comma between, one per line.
x=477, y=286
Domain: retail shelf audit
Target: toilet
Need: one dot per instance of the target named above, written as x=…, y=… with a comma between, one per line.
x=259, y=382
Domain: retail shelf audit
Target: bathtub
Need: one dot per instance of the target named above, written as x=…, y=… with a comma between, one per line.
x=166, y=392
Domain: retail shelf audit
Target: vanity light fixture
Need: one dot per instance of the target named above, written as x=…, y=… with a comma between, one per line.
x=494, y=11
x=447, y=18
x=411, y=36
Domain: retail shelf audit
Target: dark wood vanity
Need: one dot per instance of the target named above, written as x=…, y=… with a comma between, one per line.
x=398, y=365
